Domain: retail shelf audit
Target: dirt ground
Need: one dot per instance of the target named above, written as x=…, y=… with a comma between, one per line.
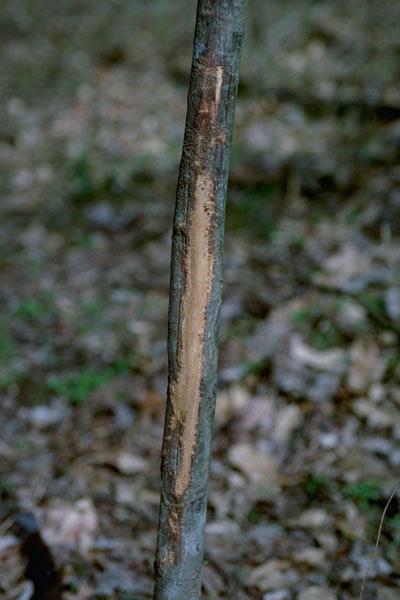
x=307, y=436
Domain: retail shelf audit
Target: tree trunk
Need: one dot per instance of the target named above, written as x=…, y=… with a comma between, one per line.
x=195, y=298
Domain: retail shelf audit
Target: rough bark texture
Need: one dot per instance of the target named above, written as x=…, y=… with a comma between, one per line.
x=195, y=297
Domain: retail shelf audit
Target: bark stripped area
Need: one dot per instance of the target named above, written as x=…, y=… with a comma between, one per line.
x=185, y=392
x=195, y=296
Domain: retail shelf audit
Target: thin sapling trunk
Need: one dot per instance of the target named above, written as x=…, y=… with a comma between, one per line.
x=195, y=298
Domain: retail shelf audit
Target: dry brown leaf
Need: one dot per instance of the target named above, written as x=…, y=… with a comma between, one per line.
x=272, y=575
x=7, y=542
x=130, y=464
x=314, y=518
x=277, y=595
x=326, y=360
x=349, y=262
x=377, y=418
x=387, y=593
x=287, y=420
x=71, y=524
x=255, y=465
x=125, y=493
x=366, y=365
x=316, y=592
x=312, y=557
x=230, y=403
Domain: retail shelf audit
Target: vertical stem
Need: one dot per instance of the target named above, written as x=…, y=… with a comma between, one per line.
x=195, y=298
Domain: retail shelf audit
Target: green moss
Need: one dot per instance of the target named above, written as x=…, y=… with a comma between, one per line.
x=373, y=303
x=364, y=493
x=299, y=243
x=316, y=487
x=92, y=316
x=8, y=378
x=77, y=387
x=125, y=364
x=7, y=488
x=89, y=181
x=353, y=214
x=392, y=550
x=392, y=364
x=242, y=328
x=305, y=315
x=251, y=211
x=326, y=336
x=316, y=324
x=35, y=309
x=84, y=189
x=7, y=347
x=254, y=516
x=8, y=351
x=80, y=568
x=394, y=525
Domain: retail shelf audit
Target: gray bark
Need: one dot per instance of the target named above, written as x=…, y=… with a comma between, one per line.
x=195, y=298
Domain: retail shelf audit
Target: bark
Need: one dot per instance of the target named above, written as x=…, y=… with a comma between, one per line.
x=195, y=298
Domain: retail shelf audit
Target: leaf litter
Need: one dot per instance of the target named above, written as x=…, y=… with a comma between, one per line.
x=306, y=449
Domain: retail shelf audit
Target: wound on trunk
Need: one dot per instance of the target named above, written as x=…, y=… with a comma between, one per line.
x=185, y=391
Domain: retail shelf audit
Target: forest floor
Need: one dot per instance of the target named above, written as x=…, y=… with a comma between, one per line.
x=307, y=437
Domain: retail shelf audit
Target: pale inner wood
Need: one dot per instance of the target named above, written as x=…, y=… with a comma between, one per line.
x=185, y=392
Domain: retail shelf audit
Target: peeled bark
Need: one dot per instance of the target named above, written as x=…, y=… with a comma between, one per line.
x=195, y=298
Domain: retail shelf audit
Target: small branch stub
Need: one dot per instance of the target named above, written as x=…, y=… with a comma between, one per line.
x=195, y=298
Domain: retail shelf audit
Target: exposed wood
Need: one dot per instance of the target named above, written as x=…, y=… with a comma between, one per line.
x=195, y=297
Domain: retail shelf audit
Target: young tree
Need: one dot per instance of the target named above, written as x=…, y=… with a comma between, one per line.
x=195, y=297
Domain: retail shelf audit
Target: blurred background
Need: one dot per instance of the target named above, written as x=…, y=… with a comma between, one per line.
x=307, y=436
